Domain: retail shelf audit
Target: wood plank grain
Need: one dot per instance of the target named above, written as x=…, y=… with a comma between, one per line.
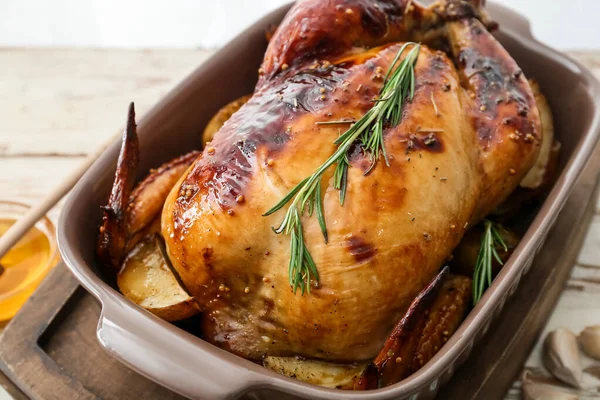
x=28, y=179
x=69, y=101
x=578, y=307
x=29, y=361
x=77, y=325
x=592, y=61
x=8, y=391
x=590, y=253
x=56, y=327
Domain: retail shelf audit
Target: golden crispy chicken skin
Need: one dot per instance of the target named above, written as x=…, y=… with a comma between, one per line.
x=469, y=135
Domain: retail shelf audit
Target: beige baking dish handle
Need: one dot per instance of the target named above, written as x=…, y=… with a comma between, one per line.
x=127, y=333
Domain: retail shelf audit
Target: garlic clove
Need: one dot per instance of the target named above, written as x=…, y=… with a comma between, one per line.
x=535, y=388
x=589, y=339
x=561, y=356
x=594, y=371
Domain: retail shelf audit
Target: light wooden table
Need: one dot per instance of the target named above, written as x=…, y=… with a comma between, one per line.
x=57, y=105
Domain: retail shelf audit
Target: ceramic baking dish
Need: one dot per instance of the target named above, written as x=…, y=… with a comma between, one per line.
x=196, y=369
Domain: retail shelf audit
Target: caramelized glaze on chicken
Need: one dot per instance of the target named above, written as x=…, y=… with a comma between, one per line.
x=470, y=134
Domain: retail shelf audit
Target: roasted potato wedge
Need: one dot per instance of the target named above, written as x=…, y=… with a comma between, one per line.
x=541, y=176
x=394, y=361
x=524, y=197
x=432, y=318
x=340, y=376
x=445, y=316
x=217, y=121
x=133, y=207
x=536, y=175
x=147, y=280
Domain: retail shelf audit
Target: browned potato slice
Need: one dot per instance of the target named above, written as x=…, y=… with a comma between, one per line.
x=320, y=373
x=535, y=176
x=221, y=117
x=543, y=174
x=147, y=280
x=524, y=197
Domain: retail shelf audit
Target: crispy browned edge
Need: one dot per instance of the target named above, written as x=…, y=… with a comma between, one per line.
x=431, y=319
x=125, y=219
x=393, y=361
x=112, y=237
x=445, y=316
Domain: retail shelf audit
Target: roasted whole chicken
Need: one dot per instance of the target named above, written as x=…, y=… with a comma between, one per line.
x=351, y=274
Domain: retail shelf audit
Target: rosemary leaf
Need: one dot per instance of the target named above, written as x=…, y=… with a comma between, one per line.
x=340, y=178
x=320, y=213
x=342, y=121
x=398, y=88
x=491, y=241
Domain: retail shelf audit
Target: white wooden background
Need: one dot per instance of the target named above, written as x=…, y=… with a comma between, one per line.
x=58, y=105
x=564, y=24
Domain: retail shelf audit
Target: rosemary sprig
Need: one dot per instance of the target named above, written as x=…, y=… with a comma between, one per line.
x=399, y=85
x=340, y=122
x=490, y=243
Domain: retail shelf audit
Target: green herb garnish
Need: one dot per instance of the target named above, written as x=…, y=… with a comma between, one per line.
x=399, y=85
x=490, y=243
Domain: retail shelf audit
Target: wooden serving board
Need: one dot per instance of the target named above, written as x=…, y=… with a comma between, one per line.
x=50, y=351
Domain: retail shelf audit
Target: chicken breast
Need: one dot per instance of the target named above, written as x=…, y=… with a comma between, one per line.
x=467, y=138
